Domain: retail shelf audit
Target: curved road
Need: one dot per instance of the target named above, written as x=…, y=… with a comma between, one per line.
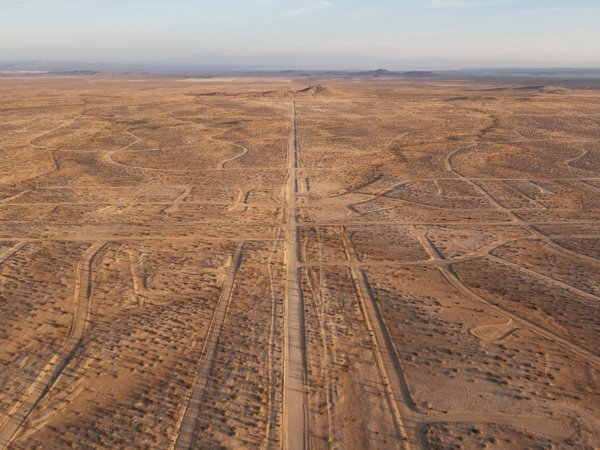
x=54, y=368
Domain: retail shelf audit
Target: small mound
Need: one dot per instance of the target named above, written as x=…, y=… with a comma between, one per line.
x=317, y=89
x=554, y=90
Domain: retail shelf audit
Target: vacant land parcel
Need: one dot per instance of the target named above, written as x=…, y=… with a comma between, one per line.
x=267, y=263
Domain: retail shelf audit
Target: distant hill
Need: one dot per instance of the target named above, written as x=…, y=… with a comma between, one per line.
x=379, y=73
x=384, y=73
x=390, y=73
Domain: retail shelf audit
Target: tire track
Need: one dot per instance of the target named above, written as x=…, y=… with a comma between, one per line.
x=450, y=155
x=245, y=150
x=594, y=300
x=542, y=189
x=569, y=162
x=452, y=277
x=271, y=423
x=497, y=336
x=185, y=436
x=108, y=156
x=12, y=197
x=64, y=124
x=514, y=217
x=399, y=396
x=326, y=341
x=271, y=405
x=544, y=426
x=50, y=373
x=525, y=196
x=174, y=207
x=588, y=185
x=9, y=253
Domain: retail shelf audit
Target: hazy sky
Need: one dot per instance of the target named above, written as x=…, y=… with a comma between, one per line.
x=562, y=31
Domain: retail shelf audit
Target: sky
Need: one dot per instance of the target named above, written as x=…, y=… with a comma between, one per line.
x=529, y=32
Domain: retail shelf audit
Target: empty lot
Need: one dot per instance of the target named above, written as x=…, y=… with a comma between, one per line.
x=298, y=263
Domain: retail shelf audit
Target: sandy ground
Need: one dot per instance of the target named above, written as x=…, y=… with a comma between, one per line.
x=280, y=263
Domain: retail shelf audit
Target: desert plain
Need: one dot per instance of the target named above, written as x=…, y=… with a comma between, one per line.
x=298, y=263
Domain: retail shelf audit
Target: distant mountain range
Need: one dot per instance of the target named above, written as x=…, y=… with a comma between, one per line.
x=295, y=65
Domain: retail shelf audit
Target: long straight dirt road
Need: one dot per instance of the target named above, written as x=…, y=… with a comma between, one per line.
x=294, y=396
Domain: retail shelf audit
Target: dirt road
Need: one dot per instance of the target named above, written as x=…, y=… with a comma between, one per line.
x=54, y=368
x=185, y=438
x=294, y=394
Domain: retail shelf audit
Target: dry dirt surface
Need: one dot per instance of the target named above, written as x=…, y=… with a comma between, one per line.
x=297, y=263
